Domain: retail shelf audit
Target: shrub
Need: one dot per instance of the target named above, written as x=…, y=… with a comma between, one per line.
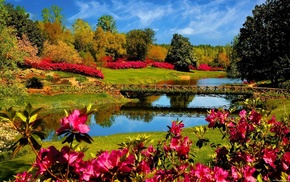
x=163, y=65
x=74, y=68
x=34, y=83
x=126, y=65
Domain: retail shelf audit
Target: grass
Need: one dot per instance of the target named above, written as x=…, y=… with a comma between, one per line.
x=10, y=167
x=153, y=75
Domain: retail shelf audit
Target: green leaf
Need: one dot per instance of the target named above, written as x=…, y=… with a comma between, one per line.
x=36, y=111
x=21, y=116
x=28, y=108
x=33, y=118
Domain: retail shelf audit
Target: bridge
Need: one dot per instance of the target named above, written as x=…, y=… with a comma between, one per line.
x=141, y=89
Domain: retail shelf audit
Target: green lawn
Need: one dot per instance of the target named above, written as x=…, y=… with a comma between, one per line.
x=10, y=167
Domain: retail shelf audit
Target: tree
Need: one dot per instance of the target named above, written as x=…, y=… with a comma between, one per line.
x=19, y=20
x=83, y=35
x=138, y=43
x=52, y=14
x=107, y=23
x=180, y=53
x=157, y=53
x=264, y=43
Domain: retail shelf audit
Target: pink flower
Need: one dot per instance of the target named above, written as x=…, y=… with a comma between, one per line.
x=75, y=122
x=286, y=161
x=176, y=128
x=248, y=174
x=23, y=177
x=220, y=175
x=202, y=172
x=269, y=157
x=243, y=113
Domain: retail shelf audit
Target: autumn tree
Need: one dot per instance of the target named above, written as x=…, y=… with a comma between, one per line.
x=107, y=23
x=61, y=52
x=264, y=42
x=52, y=14
x=138, y=43
x=157, y=53
x=83, y=35
x=180, y=53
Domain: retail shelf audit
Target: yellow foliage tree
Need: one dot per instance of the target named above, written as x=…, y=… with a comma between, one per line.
x=61, y=52
x=157, y=53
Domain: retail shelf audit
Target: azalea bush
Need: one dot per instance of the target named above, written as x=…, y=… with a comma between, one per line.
x=46, y=64
x=257, y=150
x=126, y=65
x=163, y=65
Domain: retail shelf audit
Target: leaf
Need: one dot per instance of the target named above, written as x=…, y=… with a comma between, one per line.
x=4, y=115
x=33, y=118
x=69, y=139
x=36, y=141
x=21, y=116
x=28, y=108
x=36, y=111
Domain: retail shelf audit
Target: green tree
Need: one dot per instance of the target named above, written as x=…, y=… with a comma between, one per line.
x=138, y=43
x=18, y=18
x=83, y=35
x=264, y=43
x=107, y=23
x=180, y=53
x=52, y=14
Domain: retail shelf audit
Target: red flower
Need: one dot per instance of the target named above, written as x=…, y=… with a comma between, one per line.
x=220, y=175
x=269, y=157
x=176, y=128
x=248, y=174
x=23, y=177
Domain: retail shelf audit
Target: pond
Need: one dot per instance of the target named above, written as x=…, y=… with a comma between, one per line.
x=156, y=112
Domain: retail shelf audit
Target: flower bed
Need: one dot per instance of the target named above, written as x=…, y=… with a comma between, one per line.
x=74, y=68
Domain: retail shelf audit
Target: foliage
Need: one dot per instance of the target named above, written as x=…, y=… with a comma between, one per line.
x=20, y=21
x=26, y=46
x=83, y=35
x=264, y=42
x=52, y=14
x=34, y=83
x=157, y=53
x=138, y=42
x=107, y=23
x=74, y=68
x=180, y=53
x=61, y=53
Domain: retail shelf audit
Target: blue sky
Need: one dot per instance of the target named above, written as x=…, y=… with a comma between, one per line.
x=214, y=22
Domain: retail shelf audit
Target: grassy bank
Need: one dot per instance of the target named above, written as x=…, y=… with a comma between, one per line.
x=10, y=167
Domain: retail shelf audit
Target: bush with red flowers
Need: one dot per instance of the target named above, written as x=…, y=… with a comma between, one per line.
x=162, y=65
x=46, y=64
x=126, y=65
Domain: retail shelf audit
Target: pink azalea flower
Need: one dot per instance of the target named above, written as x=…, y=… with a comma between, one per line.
x=243, y=113
x=23, y=177
x=176, y=128
x=248, y=174
x=286, y=160
x=220, y=175
x=202, y=172
x=269, y=157
x=74, y=122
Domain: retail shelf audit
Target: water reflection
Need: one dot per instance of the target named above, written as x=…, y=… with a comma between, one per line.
x=155, y=113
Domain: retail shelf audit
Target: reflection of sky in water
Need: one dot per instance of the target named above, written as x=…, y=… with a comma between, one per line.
x=125, y=125
x=159, y=123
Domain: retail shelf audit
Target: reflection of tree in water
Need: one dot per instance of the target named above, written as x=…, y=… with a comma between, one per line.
x=146, y=116
x=180, y=100
x=105, y=115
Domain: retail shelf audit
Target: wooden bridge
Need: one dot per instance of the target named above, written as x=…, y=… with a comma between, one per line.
x=138, y=89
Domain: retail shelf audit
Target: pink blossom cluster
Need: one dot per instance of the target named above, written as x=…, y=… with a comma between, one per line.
x=206, y=67
x=74, y=68
x=126, y=65
x=163, y=65
x=258, y=150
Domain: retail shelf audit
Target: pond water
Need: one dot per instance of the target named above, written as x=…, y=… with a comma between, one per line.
x=153, y=113
x=157, y=112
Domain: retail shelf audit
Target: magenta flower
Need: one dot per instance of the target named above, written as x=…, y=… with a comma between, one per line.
x=269, y=157
x=220, y=175
x=23, y=177
x=75, y=122
x=286, y=161
x=176, y=128
x=248, y=174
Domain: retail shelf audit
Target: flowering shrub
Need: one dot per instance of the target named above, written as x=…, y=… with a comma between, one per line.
x=205, y=67
x=258, y=150
x=74, y=68
x=126, y=65
x=163, y=65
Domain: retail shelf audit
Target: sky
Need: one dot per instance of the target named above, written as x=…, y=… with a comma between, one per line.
x=213, y=22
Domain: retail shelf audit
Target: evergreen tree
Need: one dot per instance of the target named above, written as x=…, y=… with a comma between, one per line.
x=180, y=53
x=264, y=43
